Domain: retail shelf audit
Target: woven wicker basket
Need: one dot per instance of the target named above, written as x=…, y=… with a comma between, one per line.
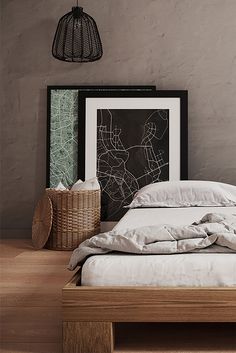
x=76, y=217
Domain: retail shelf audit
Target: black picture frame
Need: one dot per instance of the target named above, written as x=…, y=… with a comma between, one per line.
x=181, y=94
x=81, y=88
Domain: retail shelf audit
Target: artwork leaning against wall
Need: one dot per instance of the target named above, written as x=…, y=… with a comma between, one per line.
x=131, y=139
x=63, y=136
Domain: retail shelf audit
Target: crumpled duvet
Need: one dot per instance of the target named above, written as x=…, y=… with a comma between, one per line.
x=213, y=233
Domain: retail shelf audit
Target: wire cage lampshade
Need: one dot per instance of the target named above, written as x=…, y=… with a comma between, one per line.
x=77, y=38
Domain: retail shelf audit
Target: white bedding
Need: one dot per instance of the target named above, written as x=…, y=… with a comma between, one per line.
x=186, y=270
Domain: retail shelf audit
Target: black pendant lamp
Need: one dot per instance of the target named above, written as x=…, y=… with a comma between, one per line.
x=77, y=38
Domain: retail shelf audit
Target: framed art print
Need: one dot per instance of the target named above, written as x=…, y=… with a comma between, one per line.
x=131, y=139
x=62, y=129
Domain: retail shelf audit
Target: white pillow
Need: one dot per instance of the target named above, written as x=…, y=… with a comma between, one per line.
x=185, y=193
x=91, y=184
x=60, y=187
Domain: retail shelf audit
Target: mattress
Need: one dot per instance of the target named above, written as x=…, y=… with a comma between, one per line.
x=176, y=270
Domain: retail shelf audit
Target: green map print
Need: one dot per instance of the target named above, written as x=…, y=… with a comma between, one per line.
x=64, y=137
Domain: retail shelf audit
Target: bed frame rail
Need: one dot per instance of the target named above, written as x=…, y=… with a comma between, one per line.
x=89, y=312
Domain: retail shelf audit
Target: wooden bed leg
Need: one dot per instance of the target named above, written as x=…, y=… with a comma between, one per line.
x=87, y=337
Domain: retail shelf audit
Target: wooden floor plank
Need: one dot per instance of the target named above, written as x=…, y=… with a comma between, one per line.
x=44, y=257
x=31, y=296
x=20, y=275
x=20, y=324
x=10, y=248
x=30, y=347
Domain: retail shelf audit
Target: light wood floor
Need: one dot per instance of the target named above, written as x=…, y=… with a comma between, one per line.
x=30, y=294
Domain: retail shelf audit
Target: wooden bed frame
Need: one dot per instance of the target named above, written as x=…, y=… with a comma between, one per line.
x=89, y=312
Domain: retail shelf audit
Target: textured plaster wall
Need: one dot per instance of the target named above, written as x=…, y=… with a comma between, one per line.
x=175, y=44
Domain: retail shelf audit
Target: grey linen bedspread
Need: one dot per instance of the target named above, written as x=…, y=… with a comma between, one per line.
x=213, y=233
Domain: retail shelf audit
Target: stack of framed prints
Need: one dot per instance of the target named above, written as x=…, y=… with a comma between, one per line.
x=127, y=136
x=62, y=129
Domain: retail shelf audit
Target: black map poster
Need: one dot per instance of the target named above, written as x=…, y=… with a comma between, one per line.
x=132, y=151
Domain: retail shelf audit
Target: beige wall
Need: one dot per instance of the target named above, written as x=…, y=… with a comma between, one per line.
x=175, y=44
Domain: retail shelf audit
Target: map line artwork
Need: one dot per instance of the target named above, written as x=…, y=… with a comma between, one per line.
x=132, y=151
x=63, y=137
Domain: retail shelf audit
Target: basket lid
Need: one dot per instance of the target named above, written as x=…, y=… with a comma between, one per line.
x=42, y=222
